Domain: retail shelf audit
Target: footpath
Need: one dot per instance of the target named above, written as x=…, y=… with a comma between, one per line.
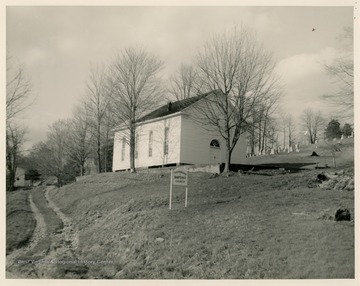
x=52, y=247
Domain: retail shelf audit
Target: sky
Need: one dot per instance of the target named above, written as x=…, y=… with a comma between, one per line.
x=57, y=45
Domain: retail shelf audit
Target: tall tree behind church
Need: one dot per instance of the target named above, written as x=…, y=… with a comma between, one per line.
x=135, y=89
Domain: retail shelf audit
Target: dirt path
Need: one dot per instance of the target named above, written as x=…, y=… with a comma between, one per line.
x=69, y=232
x=63, y=245
x=38, y=234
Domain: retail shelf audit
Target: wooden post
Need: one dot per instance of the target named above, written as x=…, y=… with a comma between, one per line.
x=171, y=186
x=186, y=190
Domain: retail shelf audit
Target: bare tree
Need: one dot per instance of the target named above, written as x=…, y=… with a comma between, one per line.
x=184, y=83
x=291, y=128
x=79, y=143
x=40, y=158
x=18, y=89
x=96, y=101
x=313, y=123
x=109, y=124
x=288, y=129
x=260, y=126
x=265, y=110
x=14, y=141
x=272, y=134
x=283, y=120
x=237, y=66
x=18, y=92
x=57, y=143
x=342, y=71
x=135, y=89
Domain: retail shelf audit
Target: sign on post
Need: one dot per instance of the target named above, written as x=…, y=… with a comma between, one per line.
x=179, y=178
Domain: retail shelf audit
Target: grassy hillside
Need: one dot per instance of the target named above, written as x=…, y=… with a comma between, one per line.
x=344, y=156
x=243, y=226
x=20, y=222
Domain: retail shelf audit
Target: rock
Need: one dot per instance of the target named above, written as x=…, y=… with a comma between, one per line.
x=159, y=239
x=342, y=214
x=322, y=177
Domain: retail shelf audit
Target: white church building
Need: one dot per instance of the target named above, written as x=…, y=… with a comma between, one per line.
x=170, y=136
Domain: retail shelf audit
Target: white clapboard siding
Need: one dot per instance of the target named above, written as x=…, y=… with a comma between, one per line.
x=195, y=144
x=196, y=138
x=157, y=158
x=118, y=163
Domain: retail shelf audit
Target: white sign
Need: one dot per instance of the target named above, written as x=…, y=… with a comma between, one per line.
x=180, y=178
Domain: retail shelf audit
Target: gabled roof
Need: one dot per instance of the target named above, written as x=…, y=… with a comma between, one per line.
x=173, y=107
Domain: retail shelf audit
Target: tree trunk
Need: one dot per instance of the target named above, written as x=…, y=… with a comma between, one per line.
x=259, y=139
x=11, y=163
x=290, y=138
x=284, y=138
x=132, y=148
x=263, y=149
x=227, y=161
x=99, y=150
x=59, y=183
x=11, y=182
x=82, y=169
x=228, y=156
x=106, y=155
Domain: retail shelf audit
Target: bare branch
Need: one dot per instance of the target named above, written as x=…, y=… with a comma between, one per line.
x=135, y=89
x=18, y=90
x=184, y=83
x=313, y=122
x=342, y=71
x=236, y=65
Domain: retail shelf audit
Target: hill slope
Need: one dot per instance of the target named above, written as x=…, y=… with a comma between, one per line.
x=243, y=226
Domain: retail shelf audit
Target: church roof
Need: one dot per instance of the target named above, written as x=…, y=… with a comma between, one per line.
x=173, y=107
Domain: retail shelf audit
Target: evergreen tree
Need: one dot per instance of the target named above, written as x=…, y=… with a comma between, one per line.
x=333, y=130
x=347, y=130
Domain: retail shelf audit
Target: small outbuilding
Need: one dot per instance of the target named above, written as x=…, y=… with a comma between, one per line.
x=20, y=178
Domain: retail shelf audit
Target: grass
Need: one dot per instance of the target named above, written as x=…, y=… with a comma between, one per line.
x=20, y=222
x=344, y=157
x=243, y=226
x=246, y=226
